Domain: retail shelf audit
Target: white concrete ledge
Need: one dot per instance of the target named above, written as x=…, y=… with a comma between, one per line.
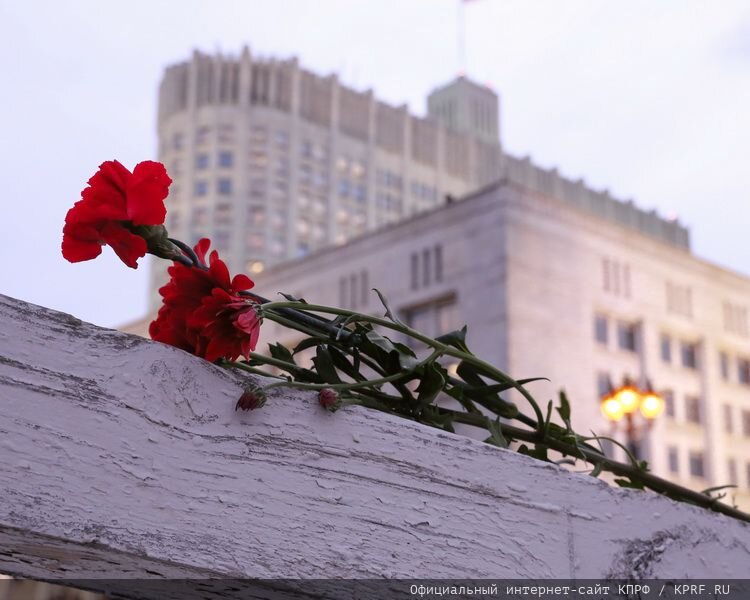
x=121, y=457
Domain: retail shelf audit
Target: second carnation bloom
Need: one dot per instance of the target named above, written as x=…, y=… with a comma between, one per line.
x=204, y=311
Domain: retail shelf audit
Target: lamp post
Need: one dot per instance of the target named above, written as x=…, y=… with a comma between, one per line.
x=627, y=400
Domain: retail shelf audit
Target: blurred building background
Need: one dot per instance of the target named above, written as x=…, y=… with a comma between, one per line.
x=272, y=161
x=322, y=191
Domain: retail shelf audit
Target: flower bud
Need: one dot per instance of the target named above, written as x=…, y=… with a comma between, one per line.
x=328, y=398
x=253, y=397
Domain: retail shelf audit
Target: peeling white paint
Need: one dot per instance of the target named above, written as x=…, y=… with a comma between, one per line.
x=121, y=456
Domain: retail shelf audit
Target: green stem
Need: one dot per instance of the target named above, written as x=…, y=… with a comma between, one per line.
x=445, y=348
x=653, y=482
x=342, y=387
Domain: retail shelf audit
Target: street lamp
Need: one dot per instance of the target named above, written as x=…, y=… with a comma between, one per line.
x=626, y=401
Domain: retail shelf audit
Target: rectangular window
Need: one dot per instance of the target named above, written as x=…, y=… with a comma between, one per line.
x=201, y=161
x=364, y=279
x=601, y=329
x=626, y=281
x=603, y=384
x=225, y=186
x=177, y=141
x=693, y=409
x=605, y=274
x=666, y=348
x=669, y=407
x=732, y=471
x=226, y=159
x=201, y=188
x=627, y=336
x=724, y=365
x=342, y=292
x=746, y=423
x=353, y=290
x=433, y=319
x=673, y=458
x=426, y=266
x=728, y=419
x=697, y=466
x=438, y=263
x=414, y=271
x=689, y=353
x=743, y=371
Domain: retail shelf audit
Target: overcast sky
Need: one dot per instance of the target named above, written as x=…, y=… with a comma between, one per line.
x=650, y=99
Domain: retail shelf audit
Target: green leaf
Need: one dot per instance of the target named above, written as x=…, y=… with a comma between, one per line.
x=489, y=390
x=281, y=352
x=496, y=434
x=564, y=409
x=309, y=343
x=324, y=365
x=388, y=313
x=457, y=339
x=291, y=298
x=341, y=362
x=400, y=354
x=430, y=384
x=629, y=483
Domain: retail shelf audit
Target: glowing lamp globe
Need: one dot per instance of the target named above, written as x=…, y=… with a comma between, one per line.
x=612, y=409
x=628, y=398
x=652, y=405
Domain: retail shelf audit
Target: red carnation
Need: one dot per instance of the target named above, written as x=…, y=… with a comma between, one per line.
x=115, y=202
x=204, y=313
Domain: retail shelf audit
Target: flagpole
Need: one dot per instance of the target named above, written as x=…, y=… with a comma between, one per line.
x=461, y=39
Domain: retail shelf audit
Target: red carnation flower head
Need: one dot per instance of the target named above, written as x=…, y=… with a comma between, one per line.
x=121, y=209
x=204, y=311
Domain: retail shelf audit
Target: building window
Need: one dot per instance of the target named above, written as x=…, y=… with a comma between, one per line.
x=201, y=188
x=673, y=459
x=201, y=161
x=605, y=274
x=746, y=423
x=601, y=329
x=724, y=365
x=344, y=187
x=728, y=420
x=226, y=159
x=669, y=407
x=225, y=186
x=689, y=353
x=627, y=336
x=202, y=135
x=426, y=266
x=177, y=141
x=693, y=409
x=603, y=385
x=697, y=466
x=666, y=348
x=679, y=299
x=414, y=271
x=732, y=471
x=433, y=319
x=438, y=263
x=364, y=279
x=342, y=291
x=743, y=371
